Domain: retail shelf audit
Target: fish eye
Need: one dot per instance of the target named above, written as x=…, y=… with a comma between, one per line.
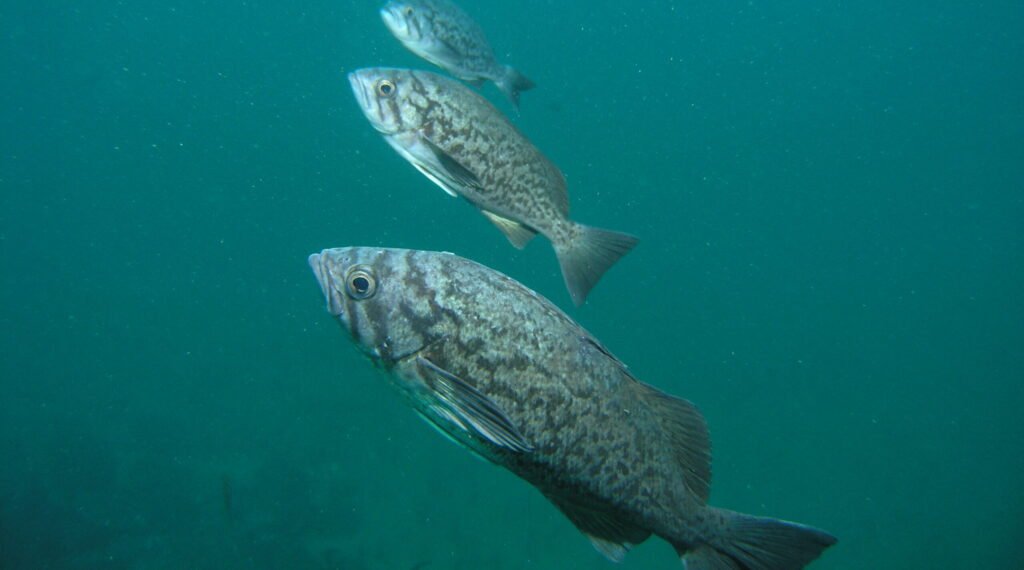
x=385, y=88
x=360, y=283
x=408, y=10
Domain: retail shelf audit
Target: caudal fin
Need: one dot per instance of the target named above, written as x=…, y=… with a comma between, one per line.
x=587, y=254
x=758, y=543
x=512, y=83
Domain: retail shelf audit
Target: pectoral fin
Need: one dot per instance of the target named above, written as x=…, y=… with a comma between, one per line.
x=516, y=233
x=474, y=411
x=441, y=54
x=435, y=163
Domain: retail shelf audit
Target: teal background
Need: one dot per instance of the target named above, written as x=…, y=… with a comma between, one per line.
x=829, y=201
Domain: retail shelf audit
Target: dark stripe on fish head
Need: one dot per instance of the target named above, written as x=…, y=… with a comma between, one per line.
x=331, y=267
x=382, y=297
x=381, y=93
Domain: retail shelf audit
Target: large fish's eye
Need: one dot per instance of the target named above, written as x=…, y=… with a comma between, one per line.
x=360, y=283
x=408, y=10
x=385, y=88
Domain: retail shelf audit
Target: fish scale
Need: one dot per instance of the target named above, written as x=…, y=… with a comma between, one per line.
x=467, y=147
x=506, y=374
x=443, y=34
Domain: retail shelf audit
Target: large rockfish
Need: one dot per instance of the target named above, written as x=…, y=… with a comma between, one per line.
x=441, y=33
x=467, y=147
x=508, y=375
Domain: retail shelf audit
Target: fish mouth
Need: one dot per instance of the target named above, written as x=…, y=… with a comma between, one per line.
x=317, y=262
x=391, y=14
x=359, y=90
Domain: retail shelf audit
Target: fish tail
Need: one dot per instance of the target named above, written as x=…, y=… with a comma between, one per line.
x=587, y=254
x=512, y=83
x=757, y=543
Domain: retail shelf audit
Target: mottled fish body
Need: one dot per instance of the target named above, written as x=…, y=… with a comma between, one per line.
x=443, y=34
x=508, y=375
x=467, y=147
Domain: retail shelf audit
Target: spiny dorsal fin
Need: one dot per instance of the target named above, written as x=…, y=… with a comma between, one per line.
x=516, y=233
x=688, y=433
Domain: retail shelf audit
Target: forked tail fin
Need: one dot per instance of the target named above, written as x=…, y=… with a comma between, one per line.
x=758, y=543
x=587, y=254
x=512, y=83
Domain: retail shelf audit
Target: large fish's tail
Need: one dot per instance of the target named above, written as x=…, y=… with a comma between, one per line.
x=512, y=83
x=758, y=543
x=587, y=254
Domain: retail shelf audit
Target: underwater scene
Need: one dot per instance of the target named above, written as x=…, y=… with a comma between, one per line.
x=714, y=285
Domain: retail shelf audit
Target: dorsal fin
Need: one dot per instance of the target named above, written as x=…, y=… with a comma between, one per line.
x=688, y=433
x=686, y=430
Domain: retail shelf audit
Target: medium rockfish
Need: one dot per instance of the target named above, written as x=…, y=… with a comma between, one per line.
x=505, y=373
x=441, y=33
x=467, y=147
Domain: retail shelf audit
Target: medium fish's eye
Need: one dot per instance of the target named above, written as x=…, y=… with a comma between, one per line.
x=408, y=10
x=360, y=283
x=385, y=88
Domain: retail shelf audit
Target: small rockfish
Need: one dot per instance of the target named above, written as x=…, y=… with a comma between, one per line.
x=441, y=33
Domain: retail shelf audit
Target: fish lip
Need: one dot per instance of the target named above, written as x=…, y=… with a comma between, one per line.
x=359, y=91
x=392, y=19
x=317, y=262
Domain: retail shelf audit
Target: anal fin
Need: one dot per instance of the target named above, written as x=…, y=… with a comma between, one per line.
x=518, y=234
x=608, y=532
x=614, y=551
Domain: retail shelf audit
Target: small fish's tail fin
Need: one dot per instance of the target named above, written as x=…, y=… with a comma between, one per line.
x=587, y=254
x=758, y=543
x=512, y=83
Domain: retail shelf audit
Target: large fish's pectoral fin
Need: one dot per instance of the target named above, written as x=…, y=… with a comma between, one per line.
x=476, y=412
x=437, y=165
x=516, y=233
x=610, y=535
x=441, y=419
x=440, y=53
x=451, y=170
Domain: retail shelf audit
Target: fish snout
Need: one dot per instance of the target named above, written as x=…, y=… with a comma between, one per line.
x=392, y=16
x=382, y=112
x=399, y=19
x=318, y=263
x=359, y=89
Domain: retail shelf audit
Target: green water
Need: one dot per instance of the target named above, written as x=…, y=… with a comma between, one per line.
x=829, y=201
